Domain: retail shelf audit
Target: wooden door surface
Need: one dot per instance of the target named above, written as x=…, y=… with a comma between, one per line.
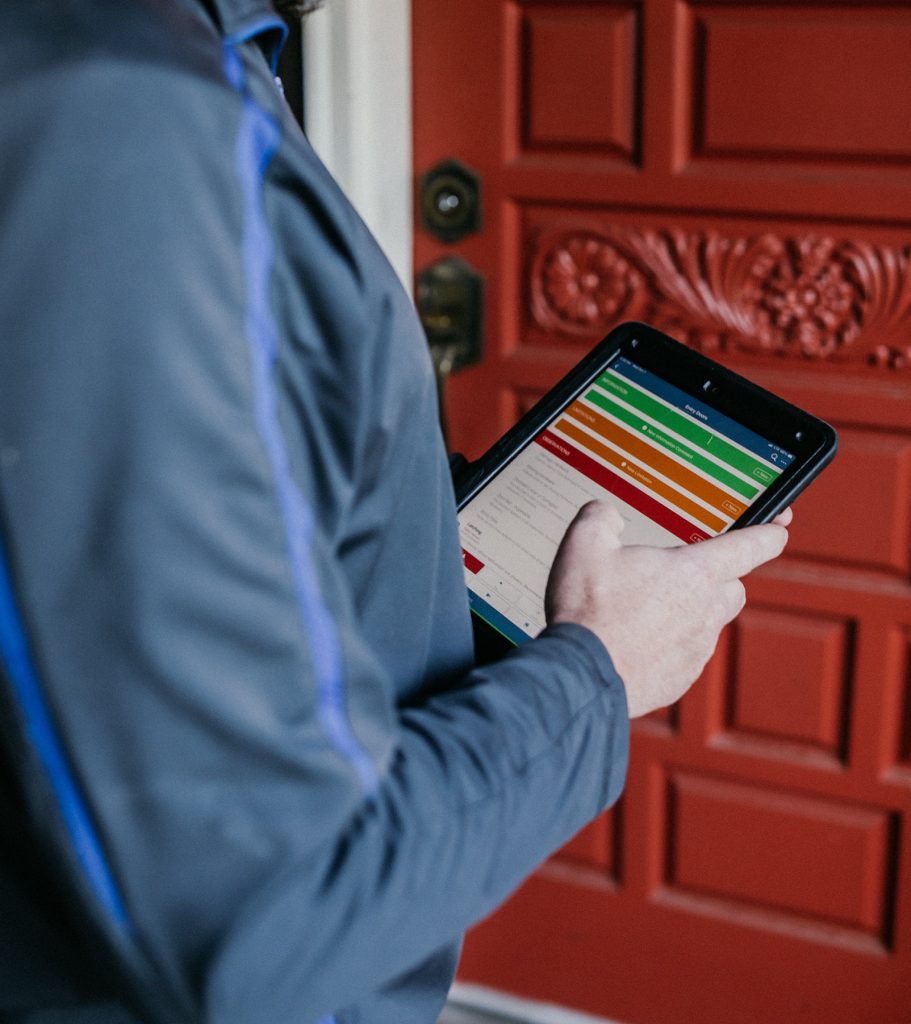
x=739, y=175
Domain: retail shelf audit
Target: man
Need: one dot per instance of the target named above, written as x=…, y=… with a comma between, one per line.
x=233, y=626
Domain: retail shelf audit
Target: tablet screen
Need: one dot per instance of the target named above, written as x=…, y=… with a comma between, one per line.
x=676, y=469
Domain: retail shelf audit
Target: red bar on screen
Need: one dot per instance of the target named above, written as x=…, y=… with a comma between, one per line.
x=471, y=563
x=624, y=490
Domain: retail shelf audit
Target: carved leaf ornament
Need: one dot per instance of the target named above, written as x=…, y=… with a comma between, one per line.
x=806, y=296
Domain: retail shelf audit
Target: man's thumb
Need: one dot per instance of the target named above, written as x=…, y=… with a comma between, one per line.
x=600, y=517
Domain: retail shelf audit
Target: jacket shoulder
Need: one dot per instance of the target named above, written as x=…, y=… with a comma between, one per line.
x=127, y=78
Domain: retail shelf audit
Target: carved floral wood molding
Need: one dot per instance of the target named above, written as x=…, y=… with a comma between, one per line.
x=804, y=295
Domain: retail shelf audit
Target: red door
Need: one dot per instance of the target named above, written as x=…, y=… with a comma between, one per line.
x=740, y=175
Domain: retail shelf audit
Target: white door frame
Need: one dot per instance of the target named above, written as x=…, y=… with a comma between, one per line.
x=357, y=109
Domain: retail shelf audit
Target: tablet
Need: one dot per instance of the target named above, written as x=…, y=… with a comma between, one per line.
x=684, y=448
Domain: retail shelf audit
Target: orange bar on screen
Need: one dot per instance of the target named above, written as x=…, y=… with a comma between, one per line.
x=658, y=461
x=642, y=477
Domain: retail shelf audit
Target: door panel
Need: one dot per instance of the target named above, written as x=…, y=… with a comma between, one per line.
x=739, y=175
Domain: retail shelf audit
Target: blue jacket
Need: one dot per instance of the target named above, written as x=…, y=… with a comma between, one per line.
x=237, y=679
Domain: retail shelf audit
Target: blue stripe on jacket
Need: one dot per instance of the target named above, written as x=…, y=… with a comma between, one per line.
x=42, y=734
x=258, y=139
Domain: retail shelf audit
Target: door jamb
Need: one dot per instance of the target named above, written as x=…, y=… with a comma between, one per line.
x=357, y=112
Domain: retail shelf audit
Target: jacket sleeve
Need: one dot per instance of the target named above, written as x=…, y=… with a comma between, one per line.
x=277, y=861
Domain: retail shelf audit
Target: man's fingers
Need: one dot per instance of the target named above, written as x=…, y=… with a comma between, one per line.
x=735, y=597
x=784, y=518
x=737, y=553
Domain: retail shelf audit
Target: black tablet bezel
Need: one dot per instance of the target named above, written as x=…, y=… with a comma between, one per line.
x=811, y=441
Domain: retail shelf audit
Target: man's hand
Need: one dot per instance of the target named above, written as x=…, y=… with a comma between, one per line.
x=658, y=611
